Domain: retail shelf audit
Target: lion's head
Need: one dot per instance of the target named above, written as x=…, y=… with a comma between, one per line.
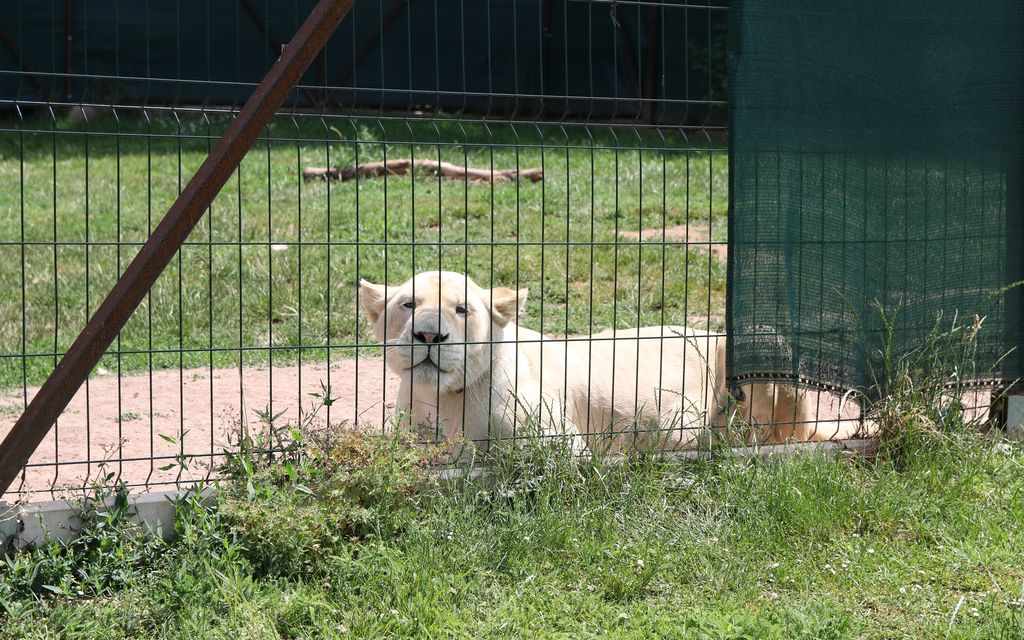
x=437, y=327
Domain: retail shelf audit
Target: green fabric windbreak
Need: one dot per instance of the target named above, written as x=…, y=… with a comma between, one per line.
x=876, y=151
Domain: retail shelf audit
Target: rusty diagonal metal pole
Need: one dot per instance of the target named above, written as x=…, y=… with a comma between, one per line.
x=166, y=239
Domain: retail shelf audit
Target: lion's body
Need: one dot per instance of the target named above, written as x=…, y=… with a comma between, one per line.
x=649, y=387
x=470, y=373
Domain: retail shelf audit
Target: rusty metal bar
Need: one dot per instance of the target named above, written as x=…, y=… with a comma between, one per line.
x=166, y=239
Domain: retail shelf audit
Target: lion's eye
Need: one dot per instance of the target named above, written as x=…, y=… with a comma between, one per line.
x=409, y=305
x=461, y=309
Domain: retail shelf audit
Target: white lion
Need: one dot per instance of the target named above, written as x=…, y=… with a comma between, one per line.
x=471, y=373
x=469, y=370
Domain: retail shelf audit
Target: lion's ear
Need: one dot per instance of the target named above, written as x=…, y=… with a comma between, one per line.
x=507, y=304
x=372, y=299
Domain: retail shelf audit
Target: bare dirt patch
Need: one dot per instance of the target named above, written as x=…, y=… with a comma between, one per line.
x=131, y=419
x=699, y=235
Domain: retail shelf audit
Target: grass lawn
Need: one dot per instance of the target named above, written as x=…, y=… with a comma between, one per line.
x=275, y=261
x=356, y=541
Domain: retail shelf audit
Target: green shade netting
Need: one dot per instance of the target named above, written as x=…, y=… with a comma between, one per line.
x=876, y=151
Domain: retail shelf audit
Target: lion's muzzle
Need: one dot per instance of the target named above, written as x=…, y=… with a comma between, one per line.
x=429, y=326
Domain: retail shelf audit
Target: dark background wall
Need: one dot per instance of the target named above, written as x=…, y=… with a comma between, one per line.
x=523, y=58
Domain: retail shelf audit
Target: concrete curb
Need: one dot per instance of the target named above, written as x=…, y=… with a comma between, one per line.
x=23, y=525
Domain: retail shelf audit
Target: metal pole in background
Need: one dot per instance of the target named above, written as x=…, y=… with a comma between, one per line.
x=166, y=239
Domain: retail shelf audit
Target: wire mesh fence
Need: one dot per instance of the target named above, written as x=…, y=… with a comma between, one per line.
x=573, y=149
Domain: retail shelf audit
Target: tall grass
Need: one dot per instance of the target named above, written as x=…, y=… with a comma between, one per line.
x=929, y=393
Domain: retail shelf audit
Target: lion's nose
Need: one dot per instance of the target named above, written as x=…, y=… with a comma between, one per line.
x=430, y=338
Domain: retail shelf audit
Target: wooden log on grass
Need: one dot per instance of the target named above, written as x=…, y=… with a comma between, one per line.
x=402, y=166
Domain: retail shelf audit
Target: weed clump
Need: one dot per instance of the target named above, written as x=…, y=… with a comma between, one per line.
x=110, y=552
x=927, y=399
x=296, y=493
